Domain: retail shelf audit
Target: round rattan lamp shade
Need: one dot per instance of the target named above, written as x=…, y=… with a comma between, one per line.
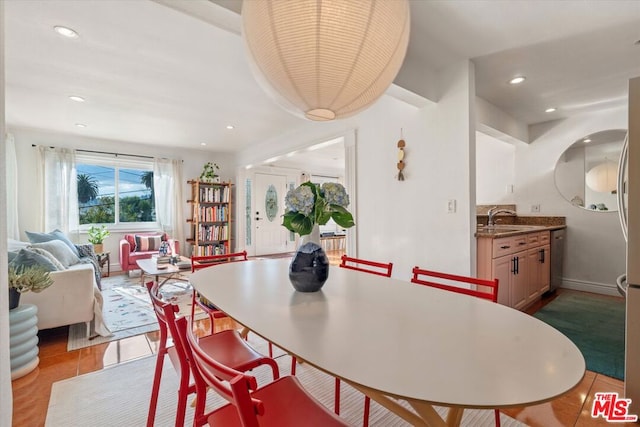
x=603, y=178
x=325, y=59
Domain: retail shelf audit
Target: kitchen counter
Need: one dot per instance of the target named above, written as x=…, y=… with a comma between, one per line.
x=507, y=230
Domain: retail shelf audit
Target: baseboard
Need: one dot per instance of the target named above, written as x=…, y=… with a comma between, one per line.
x=594, y=287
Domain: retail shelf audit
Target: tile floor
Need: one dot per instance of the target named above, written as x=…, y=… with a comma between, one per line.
x=31, y=392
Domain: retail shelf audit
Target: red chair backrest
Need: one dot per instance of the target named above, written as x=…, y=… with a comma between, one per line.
x=487, y=289
x=232, y=385
x=198, y=262
x=166, y=315
x=384, y=268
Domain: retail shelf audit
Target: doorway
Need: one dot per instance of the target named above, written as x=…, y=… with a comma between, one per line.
x=270, y=236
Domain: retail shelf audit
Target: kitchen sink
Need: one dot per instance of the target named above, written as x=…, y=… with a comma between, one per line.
x=507, y=228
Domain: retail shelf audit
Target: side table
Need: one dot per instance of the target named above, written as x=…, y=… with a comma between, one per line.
x=23, y=340
x=104, y=258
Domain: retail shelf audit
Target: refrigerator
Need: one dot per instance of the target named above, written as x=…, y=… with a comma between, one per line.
x=629, y=209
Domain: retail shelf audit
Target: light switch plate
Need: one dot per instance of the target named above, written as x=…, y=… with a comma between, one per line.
x=451, y=206
x=535, y=208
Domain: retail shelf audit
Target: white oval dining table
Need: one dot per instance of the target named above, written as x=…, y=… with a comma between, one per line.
x=393, y=339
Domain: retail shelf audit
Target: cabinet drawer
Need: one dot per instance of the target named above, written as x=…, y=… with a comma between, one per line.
x=538, y=239
x=508, y=245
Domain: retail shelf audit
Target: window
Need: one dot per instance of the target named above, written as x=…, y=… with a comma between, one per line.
x=115, y=190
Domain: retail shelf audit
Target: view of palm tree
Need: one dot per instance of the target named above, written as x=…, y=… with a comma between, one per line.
x=87, y=188
x=111, y=194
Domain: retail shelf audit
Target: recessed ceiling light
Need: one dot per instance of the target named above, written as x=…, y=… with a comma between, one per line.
x=587, y=140
x=248, y=166
x=550, y=110
x=272, y=159
x=81, y=125
x=229, y=127
x=203, y=143
x=517, y=80
x=65, y=31
x=76, y=98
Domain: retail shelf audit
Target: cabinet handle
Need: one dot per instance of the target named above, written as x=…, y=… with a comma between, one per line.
x=522, y=243
x=517, y=265
x=505, y=247
x=541, y=258
x=513, y=265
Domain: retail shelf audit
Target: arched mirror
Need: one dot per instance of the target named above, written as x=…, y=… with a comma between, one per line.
x=587, y=172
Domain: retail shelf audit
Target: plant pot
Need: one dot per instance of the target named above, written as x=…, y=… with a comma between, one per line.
x=98, y=248
x=14, y=298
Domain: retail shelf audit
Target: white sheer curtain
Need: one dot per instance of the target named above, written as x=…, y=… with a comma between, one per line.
x=59, y=189
x=13, y=229
x=167, y=185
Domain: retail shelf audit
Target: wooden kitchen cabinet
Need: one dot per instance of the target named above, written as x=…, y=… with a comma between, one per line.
x=520, y=263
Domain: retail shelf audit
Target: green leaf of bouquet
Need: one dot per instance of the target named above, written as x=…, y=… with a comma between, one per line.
x=286, y=220
x=301, y=224
x=342, y=217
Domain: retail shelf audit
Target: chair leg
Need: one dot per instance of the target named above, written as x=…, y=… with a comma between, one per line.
x=293, y=365
x=497, y=415
x=336, y=405
x=270, y=350
x=155, y=388
x=183, y=393
x=367, y=405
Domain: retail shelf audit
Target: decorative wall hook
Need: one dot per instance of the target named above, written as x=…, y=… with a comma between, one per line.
x=400, y=164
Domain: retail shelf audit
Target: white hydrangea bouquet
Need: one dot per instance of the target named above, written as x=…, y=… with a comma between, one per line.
x=311, y=204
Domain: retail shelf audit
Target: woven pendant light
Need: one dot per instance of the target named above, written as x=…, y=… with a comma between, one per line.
x=325, y=59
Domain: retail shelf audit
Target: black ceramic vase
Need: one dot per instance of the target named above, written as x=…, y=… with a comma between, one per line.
x=309, y=268
x=14, y=298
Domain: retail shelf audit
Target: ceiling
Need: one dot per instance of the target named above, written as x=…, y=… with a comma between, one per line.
x=152, y=74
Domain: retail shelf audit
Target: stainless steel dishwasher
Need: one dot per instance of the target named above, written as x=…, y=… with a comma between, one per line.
x=557, y=254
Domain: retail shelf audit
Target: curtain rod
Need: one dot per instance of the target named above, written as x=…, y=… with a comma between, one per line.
x=106, y=152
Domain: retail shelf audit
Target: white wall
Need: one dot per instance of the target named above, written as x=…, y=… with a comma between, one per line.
x=29, y=201
x=6, y=401
x=406, y=222
x=495, y=172
x=595, y=247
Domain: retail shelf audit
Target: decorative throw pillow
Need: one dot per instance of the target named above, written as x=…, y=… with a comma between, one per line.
x=29, y=258
x=54, y=235
x=147, y=243
x=48, y=255
x=60, y=250
x=16, y=245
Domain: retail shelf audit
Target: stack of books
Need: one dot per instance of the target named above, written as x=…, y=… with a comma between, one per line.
x=163, y=259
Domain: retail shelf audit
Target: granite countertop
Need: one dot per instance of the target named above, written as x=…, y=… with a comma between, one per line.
x=513, y=225
x=507, y=230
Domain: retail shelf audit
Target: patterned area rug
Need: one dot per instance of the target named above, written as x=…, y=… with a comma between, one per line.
x=127, y=309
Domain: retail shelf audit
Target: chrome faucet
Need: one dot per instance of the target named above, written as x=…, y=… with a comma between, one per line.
x=494, y=211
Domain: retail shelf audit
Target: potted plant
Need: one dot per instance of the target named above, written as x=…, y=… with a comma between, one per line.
x=97, y=236
x=209, y=173
x=24, y=279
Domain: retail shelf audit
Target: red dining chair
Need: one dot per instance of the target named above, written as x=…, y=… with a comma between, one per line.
x=225, y=346
x=281, y=403
x=372, y=267
x=480, y=288
x=200, y=262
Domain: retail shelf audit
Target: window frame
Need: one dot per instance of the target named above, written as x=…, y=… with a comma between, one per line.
x=117, y=163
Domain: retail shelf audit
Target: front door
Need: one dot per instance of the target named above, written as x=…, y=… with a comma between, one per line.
x=271, y=236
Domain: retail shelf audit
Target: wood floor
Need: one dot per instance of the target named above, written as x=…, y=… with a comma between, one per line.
x=31, y=393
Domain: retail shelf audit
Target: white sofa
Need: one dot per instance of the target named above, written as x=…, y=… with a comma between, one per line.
x=70, y=299
x=73, y=297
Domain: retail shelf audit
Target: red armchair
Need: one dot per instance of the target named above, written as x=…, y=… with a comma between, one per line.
x=148, y=246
